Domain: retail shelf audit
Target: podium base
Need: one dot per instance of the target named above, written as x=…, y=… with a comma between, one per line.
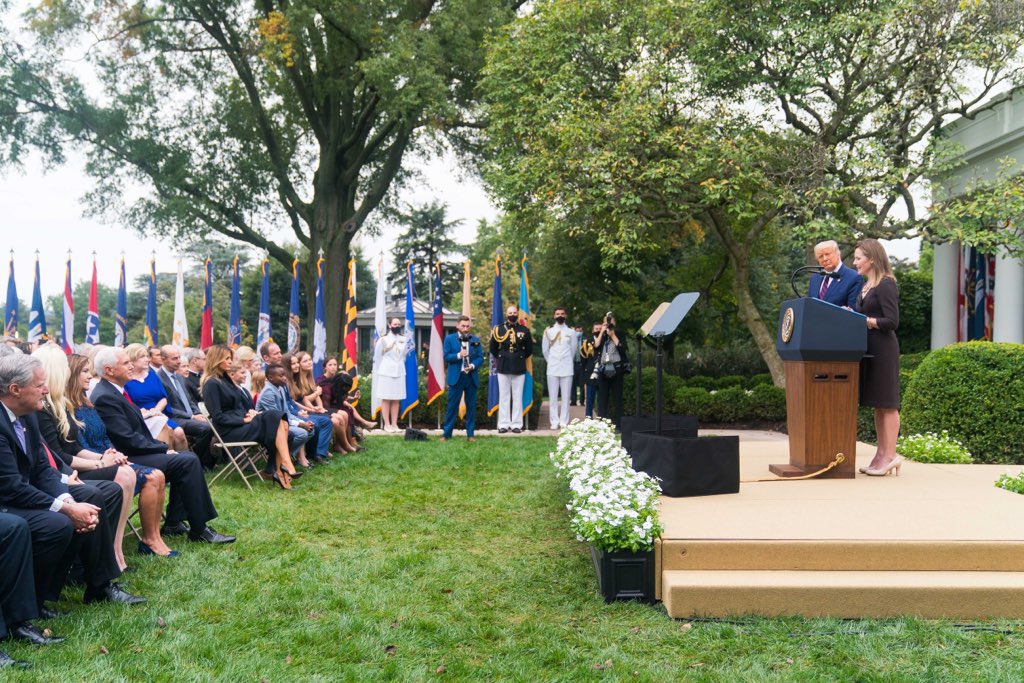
x=789, y=470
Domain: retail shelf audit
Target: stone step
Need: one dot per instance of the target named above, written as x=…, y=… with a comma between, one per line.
x=843, y=594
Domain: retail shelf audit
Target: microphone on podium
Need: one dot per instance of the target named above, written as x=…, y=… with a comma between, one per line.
x=815, y=270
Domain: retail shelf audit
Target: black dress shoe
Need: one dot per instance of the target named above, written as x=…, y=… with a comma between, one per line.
x=33, y=634
x=503, y=430
x=112, y=592
x=47, y=613
x=8, y=661
x=516, y=430
x=174, y=529
x=208, y=535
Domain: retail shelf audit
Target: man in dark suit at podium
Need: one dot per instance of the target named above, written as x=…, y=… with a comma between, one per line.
x=841, y=284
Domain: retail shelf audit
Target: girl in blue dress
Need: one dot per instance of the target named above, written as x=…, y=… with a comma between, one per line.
x=147, y=392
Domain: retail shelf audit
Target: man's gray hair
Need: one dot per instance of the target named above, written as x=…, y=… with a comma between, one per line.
x=190, y=353
x=8, y=350
x=104, y=359
x=827, y=244
x=17, y=369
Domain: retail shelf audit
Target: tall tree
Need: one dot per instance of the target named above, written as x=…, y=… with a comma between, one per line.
x=427, y=240
x=237, y=118
x=688, y=118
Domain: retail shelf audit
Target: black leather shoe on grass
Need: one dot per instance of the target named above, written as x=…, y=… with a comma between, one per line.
x=208, y=535
x=174, y=529
x=33, y=634
x=7, y=661
x=112, y=592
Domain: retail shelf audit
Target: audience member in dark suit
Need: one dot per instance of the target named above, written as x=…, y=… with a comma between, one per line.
x=195, y=361
x=182, y=408
x=841, y=284
x=232, y=412
x=17, y=592
x=190, y=497
x=64, y=523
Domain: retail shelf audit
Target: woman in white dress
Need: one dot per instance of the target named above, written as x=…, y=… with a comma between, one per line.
x=389, y=377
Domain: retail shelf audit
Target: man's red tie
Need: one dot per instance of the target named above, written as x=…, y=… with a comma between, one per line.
x=53, y=463
x=821, y=292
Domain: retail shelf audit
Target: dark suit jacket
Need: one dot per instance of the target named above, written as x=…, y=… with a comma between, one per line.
x=841, y=292
x=27, y=481
x=452, y=349
x=124, y=422
x=192, y=384
x=226, y=402
x=175, y=409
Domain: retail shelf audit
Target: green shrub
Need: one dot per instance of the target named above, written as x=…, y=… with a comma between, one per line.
x=768, y=402
x=670, y=384
x=728, y=405
x=702, y=382
x=758, y=380
x=915, y=310
x=729, y=381
x=690, y=401
x=934, y=448
x=975, y=391
x=1011, y=483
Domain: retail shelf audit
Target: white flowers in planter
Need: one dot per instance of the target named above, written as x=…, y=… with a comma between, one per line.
x=613, y=507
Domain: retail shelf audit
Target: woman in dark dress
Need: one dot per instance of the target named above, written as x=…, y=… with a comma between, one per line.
x=610, y=351
x=232, y=413
x=880, y=373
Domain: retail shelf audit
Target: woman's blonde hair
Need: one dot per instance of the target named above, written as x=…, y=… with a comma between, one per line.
x=257, y=382
x=875, y=253
x=244, y=354
x=136, y=351
x=215, y=355
x=55, y=365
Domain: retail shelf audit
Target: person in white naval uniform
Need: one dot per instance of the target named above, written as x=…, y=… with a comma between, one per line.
x=560, y=345
x=389, y=372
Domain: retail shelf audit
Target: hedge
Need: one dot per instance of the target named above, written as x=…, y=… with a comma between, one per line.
x=713, y=400
x=975, y=390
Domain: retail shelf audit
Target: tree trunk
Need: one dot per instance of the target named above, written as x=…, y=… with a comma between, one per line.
x=336, y=256
x=751, y=317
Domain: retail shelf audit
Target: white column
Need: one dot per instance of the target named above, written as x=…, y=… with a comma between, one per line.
x=945, y=289
x=1008, y=320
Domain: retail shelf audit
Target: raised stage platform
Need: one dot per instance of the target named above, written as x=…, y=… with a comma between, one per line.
x=936, y=541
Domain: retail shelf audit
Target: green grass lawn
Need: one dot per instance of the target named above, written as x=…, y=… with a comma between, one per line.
x=423, y=561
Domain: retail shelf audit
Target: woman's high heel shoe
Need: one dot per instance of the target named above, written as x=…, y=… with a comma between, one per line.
x=291, y=475
x=893, y=467
x=283, y=480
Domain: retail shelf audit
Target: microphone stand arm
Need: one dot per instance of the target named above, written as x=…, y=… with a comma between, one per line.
x=803, y=269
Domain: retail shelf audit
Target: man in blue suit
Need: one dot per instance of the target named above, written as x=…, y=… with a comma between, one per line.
x=463, y=354
x=841, y=284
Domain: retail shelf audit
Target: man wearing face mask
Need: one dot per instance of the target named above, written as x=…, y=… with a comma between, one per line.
x=559, y=346
x=511, y=344
x=463, y=354
x=588, y=355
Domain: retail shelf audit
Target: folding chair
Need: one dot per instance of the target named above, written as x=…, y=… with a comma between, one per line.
x=242, y=455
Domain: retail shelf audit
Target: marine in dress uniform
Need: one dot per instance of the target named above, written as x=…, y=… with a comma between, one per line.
x=511, y=344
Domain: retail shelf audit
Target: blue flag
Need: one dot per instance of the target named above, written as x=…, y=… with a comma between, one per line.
x=525, y=318
x=121, y=319
x=11, y=318
x=36, y=316
x=152, y=335
x=497, y=318
x=412, y=379
x=319, y=326
x=294, y=322
x=263, y=326
x=234, y=314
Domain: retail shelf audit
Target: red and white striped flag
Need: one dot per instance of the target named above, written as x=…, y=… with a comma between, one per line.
x=435, y=356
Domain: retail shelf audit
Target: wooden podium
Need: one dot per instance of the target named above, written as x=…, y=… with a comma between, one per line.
x=821, y=345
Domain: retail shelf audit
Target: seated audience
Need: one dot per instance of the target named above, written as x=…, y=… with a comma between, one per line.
x=182, y=408
x=67, y=518
x=337, y=395
x=233, y=414
x=271, y=353
x=156, y=358
x=245, y=357
x=147, y=392
x=126, y=427
x=17, y=593
x=275, y=396
x=301, y=392
x=88, y=431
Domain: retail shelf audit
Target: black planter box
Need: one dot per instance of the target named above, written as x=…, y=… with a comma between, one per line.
x=624, y=575
x=687, y=465
x=645, y=423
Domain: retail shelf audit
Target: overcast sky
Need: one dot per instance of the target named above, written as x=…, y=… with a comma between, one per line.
x=43, y=211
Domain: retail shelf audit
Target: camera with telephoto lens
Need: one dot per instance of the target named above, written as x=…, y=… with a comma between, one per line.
x=608, y=321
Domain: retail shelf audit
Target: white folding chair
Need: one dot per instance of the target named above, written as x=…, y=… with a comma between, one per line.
x=242, y=455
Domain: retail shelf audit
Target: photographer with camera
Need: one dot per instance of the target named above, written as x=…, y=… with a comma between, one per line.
x=588, y=358
x=610, y=366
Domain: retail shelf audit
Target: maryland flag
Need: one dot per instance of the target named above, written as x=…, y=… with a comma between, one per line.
x=349, y=334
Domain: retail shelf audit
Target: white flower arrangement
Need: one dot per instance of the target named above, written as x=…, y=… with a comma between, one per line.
x=613, y=507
